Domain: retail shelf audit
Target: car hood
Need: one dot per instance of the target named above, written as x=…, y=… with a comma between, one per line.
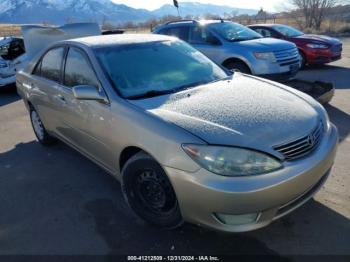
x=244, y=111
x=319, y=38
x=266, y=44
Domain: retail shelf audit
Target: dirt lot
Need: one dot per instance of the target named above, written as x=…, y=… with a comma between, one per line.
x=54, y=201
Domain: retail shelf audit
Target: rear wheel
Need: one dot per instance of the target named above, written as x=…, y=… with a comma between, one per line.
x=149, y=192
x=238, y=66
x=39, y=130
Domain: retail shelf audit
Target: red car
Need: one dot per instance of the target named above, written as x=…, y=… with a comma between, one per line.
x=313, y=49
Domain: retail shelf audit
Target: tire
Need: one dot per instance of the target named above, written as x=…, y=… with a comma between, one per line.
x=149, y=193
x=39, y=130
x=303, y=59
x=238, y=66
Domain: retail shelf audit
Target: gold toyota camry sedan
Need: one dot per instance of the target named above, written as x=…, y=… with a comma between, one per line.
x=188, y=140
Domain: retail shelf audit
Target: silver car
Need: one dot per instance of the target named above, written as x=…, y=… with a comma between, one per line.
x=188, y=141
x=237, y=47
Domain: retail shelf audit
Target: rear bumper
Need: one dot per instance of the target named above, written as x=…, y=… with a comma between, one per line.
x=326, y=97
x=203, y=194
x=5, y=81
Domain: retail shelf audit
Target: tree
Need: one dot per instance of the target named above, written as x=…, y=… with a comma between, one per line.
x=314, y=11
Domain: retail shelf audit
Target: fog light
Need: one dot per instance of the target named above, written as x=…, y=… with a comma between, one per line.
x=237, y=219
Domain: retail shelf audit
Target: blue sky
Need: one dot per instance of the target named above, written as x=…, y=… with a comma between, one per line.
x=269, y=5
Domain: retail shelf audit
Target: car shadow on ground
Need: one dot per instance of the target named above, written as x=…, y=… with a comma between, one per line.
x=53, y=192
x=341, y=119
x=8, y=95
x=337, y=75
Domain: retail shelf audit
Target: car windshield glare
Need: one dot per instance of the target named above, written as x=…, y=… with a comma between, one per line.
x=155, y=68
x=234, y=32
x=287, y=30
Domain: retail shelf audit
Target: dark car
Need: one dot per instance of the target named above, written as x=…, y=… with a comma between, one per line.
x=314, y=49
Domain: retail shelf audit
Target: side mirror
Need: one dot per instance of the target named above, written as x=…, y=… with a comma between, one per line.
x=86, y=92
x=213, y=40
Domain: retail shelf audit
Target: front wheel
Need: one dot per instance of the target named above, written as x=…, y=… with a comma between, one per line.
x=39, y=130
x=302, y=59
x=238, y=66
x=149, y=192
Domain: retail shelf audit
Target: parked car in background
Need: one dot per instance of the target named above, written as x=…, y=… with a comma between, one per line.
x=313, y=49
x=113, y=32
x=12, y=54
x=237, y=47
x=188, y=141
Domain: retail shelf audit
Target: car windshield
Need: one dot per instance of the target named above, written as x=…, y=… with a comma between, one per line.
x=155, y=68
x=287, y=30
x=234, y=32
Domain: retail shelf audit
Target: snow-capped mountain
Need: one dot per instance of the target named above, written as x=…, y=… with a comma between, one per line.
x=62, y=11
x=199, y=9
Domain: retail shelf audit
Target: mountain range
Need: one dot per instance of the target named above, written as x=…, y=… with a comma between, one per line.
x=63, y=11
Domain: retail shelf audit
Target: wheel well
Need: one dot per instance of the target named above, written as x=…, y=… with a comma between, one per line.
x=302, y=52
x=126, y=154
x=234, y=59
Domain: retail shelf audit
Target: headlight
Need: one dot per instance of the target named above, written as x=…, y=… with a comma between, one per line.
x=327, y=122
x=231, y=161
x=265, y=56
x=317, y=46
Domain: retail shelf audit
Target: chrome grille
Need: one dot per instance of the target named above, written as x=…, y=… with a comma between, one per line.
x=302, y=146
x=287, y=57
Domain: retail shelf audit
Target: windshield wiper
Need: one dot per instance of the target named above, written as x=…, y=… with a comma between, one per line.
x=153, y=93
x=150, y=93
x=243, y=39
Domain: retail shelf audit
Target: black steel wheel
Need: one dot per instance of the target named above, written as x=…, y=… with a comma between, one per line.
x=149, y=192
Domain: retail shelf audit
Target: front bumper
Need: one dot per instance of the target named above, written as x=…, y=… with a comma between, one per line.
x=203, y=194
x=280, y=77
x=275, y=71
x=320, y=56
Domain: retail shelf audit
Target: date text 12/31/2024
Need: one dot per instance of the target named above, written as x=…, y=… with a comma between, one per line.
x=173, y=258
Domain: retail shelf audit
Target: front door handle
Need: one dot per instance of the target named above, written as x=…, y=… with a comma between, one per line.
x=62, y=98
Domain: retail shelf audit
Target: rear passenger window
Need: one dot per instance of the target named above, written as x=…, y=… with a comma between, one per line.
x=199, y=35
x=51, y=64
x=163, y=31
x=78, y=70
x=180, y=32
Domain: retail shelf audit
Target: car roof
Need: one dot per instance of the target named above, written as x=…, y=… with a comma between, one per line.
x=264, y=25
x=191, y=22
x=123, y=39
